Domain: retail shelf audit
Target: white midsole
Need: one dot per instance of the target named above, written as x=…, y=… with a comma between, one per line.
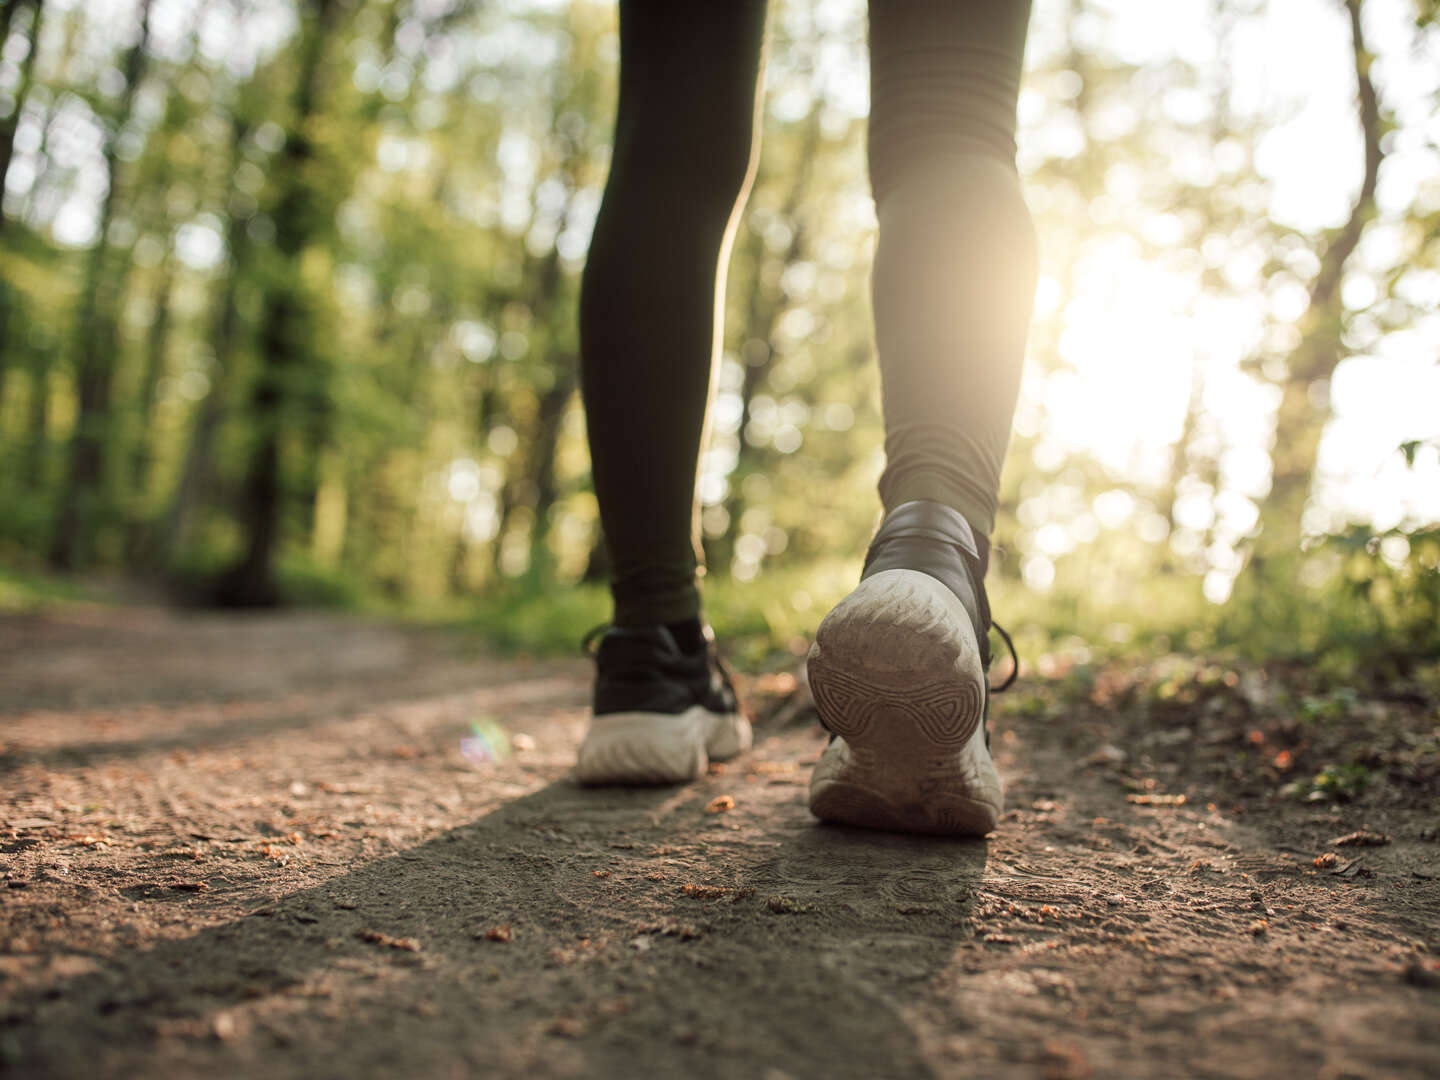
x=659, y=748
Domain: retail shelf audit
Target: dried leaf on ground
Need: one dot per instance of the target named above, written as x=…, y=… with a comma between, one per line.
x=785, y=905
x=1361, y=838
x=375, y=937
x=1156, y=800
x=715, y=892
x=1108, y=754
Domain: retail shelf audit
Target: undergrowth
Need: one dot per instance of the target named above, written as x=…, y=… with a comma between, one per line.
x=1354, y=610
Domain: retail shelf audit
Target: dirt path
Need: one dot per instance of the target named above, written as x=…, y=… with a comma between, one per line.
x=240, y=847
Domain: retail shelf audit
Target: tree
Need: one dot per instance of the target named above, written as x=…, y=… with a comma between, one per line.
x=1305, y=401
x=288, y=358
x=82, y=500
x=10, y=123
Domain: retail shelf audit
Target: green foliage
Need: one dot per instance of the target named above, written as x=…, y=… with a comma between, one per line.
x=754, y=620
x=1329, y=708
x=301, y=583
x=1333, y=783
x=30, y=590
x=24, y=520
x=379, y=217
x=307, y=585
x=538, y=621
x=1354, y=605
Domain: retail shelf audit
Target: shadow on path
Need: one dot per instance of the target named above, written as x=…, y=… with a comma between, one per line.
x=525, y=689
x=642, y=932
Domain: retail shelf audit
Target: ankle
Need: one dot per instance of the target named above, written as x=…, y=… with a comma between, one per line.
x=689, y=634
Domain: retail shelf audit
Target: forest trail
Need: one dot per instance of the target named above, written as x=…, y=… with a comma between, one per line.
x=253, y=847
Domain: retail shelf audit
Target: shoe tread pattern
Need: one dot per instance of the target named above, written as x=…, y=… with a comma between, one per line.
x=945, y=710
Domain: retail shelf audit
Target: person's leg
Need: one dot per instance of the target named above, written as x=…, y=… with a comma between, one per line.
x=898, y=667
x=650, y=308
x=654, y=284
x=954, y=270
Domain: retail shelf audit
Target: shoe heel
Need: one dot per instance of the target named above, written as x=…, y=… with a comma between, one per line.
x=895, y=673
x=893, y=649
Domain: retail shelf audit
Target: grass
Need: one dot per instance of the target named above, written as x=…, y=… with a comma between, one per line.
x=30, y=590
x=756, y=620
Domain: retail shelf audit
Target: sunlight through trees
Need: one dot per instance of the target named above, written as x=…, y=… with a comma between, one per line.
x=287, y=299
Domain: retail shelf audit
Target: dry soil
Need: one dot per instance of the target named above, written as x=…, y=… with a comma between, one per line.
x=254, y=847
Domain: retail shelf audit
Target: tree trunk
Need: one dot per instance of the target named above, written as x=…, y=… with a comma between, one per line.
x=195, y=472
x=6, y=304
x=285, y=349
x=1305, y=402
x=34, y=452
x=47, y=124
x=1180, y=457
x=157, y=342
x=535, y=481
x=8, y=126
x=251, y=582
x=11, y=123
x=81, y=501
x=550, y=416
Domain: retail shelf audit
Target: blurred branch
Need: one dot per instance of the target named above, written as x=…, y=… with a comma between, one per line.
x=1304, y=405
x=1332, y=261
x=9, y=125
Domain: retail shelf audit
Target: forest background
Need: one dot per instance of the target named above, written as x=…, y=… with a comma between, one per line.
x=288, y=291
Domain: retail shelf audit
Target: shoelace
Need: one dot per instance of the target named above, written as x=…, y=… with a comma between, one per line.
x=1014, y=661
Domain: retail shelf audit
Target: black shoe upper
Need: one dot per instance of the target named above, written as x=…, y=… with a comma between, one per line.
x=643, y=669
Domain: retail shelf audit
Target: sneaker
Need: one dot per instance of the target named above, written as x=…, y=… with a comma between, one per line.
x=898, y=675
x=661, y=715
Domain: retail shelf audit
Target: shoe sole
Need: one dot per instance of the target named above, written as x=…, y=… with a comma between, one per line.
x=643, y=748
x=896, y=676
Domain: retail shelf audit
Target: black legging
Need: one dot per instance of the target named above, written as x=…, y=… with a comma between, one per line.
x=953, y=278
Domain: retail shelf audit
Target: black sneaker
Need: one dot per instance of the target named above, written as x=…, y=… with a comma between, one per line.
x=898, y=674
x=660, y=714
